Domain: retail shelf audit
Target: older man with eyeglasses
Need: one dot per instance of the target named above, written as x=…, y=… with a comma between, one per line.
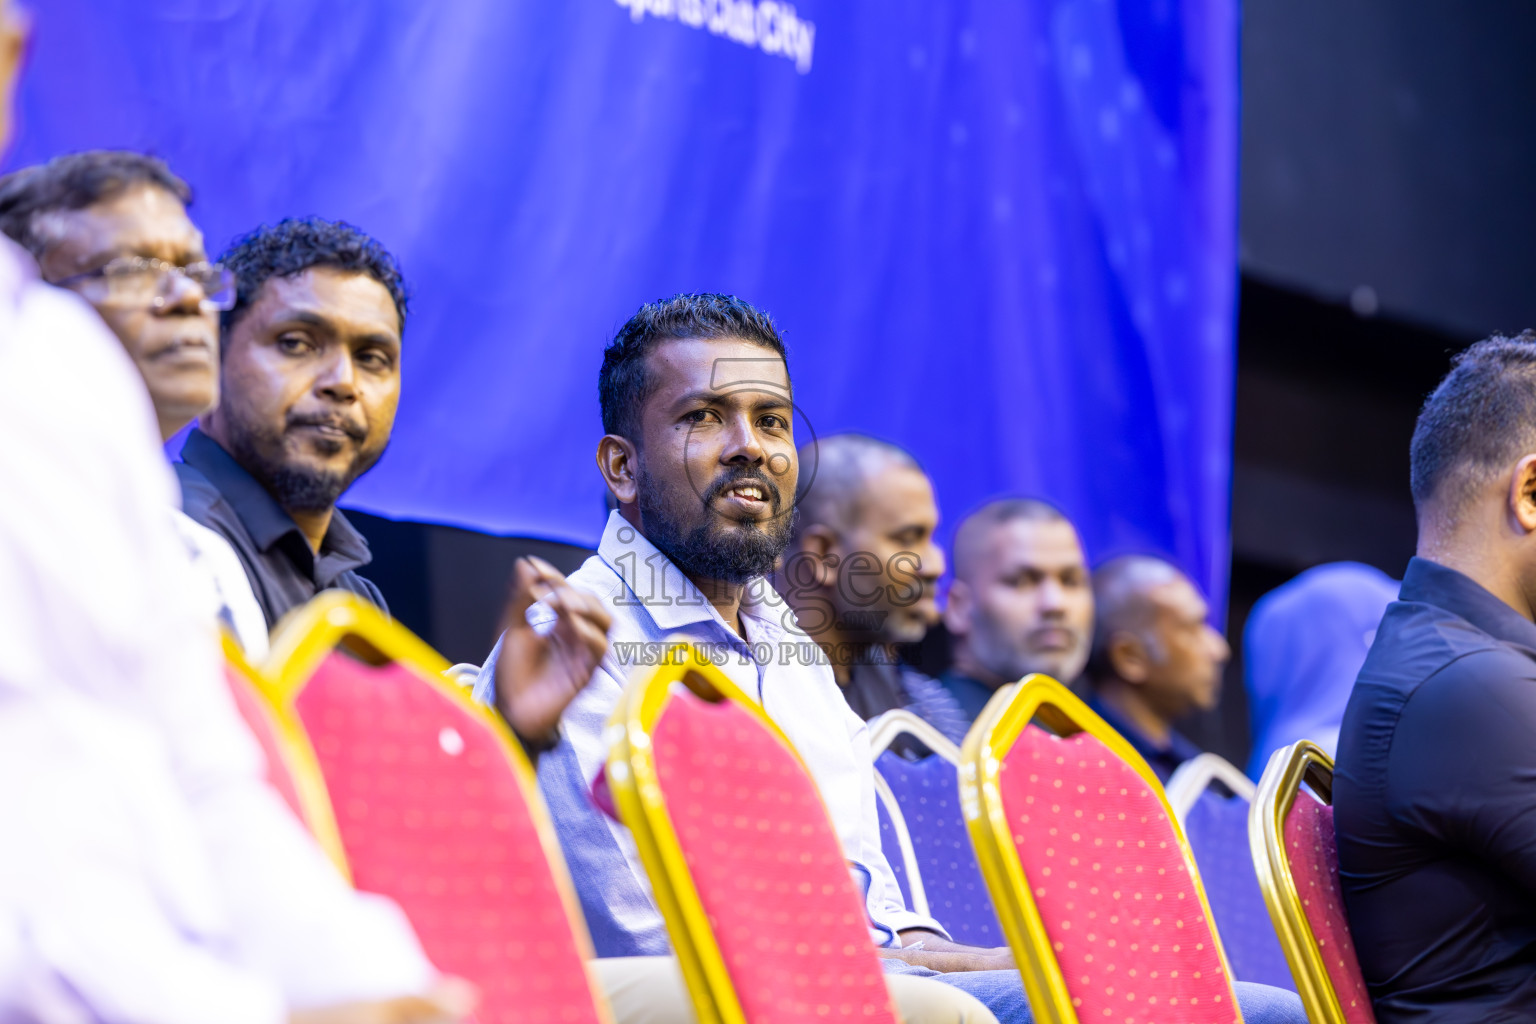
x=113, y=227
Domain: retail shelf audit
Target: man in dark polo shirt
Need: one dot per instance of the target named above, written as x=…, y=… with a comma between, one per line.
x=309, y=382
x=1155, y=656
x=1021, y=600
x=1435, y=790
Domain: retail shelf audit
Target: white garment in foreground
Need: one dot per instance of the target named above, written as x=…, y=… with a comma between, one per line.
x=147, y=872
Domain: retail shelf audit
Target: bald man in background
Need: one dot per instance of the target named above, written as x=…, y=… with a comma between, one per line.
x=1021, y=600
x=1155, y=658
x=861, y=575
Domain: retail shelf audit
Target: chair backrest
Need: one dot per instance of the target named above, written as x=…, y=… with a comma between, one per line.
x=924, y=834
x=744, y=863
x=437, y=808
x=1216, y=826
x=1191, y=779
x=1093, y=881
x=1295, y=854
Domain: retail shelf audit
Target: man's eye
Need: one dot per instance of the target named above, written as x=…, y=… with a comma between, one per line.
x=374, y=360
x=775, y=422
x=697, y=416
x=292, y=343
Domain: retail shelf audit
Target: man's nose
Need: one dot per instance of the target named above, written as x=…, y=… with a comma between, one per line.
x=180, y=296
x=338, y=376
x=931, y=563
x=1221, y=651
x=743, y=443
x=1052, y=596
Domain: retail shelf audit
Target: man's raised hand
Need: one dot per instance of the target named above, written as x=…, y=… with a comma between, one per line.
x=538, y=675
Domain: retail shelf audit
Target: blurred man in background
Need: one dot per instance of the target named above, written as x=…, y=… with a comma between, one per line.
x=1021, y=601
x=113, y=227
x=861, y=573
x=1303, y=646
x=1155, y=657
x=309, y=383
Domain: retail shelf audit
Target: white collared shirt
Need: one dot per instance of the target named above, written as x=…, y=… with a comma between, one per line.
x=147, y=872
x=777, y=662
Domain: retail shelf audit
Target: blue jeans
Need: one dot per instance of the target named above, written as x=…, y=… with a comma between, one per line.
x=1003, y=993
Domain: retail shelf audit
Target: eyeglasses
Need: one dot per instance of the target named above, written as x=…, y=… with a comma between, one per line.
x=141, y=280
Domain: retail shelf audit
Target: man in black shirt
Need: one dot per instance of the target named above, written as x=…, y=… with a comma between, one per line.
x=1435, y=790
x=310, y=378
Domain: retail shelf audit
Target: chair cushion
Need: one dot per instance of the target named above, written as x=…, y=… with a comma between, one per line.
x=767, y=866
x=928, y=793
x=1114, y=892
x=1313, y=852
x=1217, y=828
x=432, y=816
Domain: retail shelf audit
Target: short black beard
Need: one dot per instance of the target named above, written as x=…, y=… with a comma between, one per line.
x=707, y=551
x=296, y=488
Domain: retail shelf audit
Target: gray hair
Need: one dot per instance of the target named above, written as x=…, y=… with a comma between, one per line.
x=833, y=473
x=1119, y=588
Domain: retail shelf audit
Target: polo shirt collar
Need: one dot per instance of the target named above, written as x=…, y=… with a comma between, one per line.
x=1431, y=583
x=670, y=598
x=263, y=517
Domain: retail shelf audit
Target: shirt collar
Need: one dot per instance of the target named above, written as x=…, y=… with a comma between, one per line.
x=1430, y=582
x=973, y=694
x=263, y=517
x=670, y=598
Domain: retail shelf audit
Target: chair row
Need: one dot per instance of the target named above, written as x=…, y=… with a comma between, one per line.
x=1268, y=852
x=419, y=794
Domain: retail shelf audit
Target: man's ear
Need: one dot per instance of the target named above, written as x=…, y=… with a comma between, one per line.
x=1128, y=658
x=819, y=542
x=619, y=462
x=1522, y=494
x=958, y=608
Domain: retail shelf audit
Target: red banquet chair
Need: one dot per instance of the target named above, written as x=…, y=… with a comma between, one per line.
x=1093, y=881
x=435, y=806
x=1296, y=855
x=744, y=863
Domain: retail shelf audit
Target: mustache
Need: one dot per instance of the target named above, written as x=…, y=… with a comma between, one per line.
x=356, y=431
x=757, y=476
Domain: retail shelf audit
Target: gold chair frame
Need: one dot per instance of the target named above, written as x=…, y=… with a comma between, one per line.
x=990, y=739
x=1288, y=768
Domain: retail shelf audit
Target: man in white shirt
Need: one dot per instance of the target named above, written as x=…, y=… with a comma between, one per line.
x=113, y=227
x=700, y=454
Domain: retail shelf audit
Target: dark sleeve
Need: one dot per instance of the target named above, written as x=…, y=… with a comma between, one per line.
x=1463, y=761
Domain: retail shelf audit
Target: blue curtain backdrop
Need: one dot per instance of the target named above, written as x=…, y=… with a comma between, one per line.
x=1001, y=234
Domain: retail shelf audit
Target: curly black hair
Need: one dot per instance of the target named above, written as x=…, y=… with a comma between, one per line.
x=293, y=245
x=622, y=383
x=73, y=182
